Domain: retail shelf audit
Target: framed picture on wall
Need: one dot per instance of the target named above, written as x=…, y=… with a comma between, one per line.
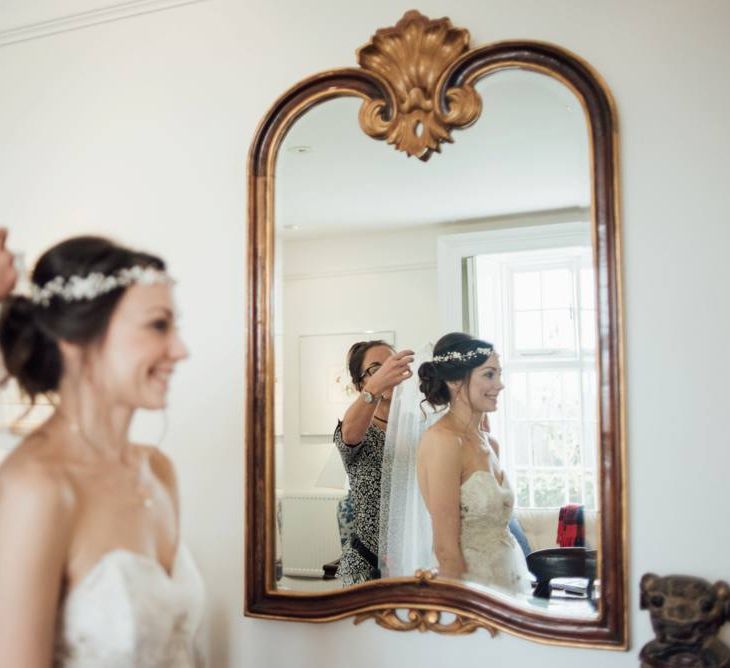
x=325, y=387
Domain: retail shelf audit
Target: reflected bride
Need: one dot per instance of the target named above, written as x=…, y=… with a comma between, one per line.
x=466, y=492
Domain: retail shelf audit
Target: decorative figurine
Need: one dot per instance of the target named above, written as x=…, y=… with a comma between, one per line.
x=686, y=614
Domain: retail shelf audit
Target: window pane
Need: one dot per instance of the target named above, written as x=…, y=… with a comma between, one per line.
x=571, y=395
x=590, y=440
x=544, y=395
x=521, y=444
x=558, y=329
x=575, y=488
x=547, y=444
x=528, y=330
x=590, y=498
x=590, y=399
x=526, y=290
x=557, y=289
x=588, y=330
x=587, y=288
x=573, y=443
x=522, y=493
x=549, y=490
x=516, y=391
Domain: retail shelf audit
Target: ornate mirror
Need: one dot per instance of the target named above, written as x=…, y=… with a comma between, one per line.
x=490, y=207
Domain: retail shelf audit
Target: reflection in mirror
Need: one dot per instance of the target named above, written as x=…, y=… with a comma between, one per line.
x=493, y=238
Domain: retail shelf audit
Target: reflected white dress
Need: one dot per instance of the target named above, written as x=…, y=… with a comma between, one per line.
x=492, y=555
x=127, y=612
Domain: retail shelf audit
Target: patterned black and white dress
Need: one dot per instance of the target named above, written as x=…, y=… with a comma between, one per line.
x=363, y=463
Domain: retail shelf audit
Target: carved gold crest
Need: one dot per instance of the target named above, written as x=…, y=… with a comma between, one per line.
x=411, y=58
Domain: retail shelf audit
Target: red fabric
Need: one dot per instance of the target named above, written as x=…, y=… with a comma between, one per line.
x=571, y=529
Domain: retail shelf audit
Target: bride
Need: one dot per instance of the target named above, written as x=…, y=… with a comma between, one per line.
x=92, y=572
x=465, y=490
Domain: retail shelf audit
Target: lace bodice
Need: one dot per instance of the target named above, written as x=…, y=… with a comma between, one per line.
x=491, y=553
x=127, y=612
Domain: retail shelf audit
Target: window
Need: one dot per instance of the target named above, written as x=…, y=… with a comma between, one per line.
x=537, y=306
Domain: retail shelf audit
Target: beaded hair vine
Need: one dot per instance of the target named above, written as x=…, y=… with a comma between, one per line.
x=79, y=288
x=455, y=356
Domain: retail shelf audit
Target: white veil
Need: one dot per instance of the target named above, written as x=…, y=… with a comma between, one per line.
x=405, y=542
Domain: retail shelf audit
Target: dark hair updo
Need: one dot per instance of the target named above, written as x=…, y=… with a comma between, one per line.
x=29, y=332
x=356, y=356
x=433, y=376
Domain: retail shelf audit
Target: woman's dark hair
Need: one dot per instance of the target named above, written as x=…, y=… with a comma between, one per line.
x=29, y=332
x=433, y=376
x=356, y=355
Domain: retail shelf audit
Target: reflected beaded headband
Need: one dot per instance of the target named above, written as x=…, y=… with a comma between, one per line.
x=79, y=288
x=455, y=356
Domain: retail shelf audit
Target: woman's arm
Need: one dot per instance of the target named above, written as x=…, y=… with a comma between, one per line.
x=440, y=478
x=8, y=275
x=356, y=420
x=358, y=416
x=35, y=526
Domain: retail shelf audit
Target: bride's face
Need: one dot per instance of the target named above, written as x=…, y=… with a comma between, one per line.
x=485, y=384
x=141, y=348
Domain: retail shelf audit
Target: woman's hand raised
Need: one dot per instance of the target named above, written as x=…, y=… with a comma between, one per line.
x=8, y=275
x=393, y=372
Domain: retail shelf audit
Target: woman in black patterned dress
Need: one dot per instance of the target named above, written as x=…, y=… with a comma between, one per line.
x=375, y=368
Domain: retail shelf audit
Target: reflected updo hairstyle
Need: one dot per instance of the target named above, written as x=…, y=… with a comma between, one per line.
x=29, y=332
x=434, y=375
x=356, y=356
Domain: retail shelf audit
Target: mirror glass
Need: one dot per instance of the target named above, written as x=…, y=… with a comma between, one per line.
x=491, y=237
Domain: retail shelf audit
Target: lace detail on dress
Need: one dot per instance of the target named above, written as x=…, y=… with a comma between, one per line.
x=129, y=613
x=492, y=555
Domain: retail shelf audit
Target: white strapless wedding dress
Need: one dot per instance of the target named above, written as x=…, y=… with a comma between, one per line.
x=127, y=612
x=492, y=555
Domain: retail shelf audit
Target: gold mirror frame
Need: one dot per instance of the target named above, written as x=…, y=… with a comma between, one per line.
x=416, y=81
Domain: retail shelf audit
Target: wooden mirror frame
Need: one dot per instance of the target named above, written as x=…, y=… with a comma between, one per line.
x=416, y=116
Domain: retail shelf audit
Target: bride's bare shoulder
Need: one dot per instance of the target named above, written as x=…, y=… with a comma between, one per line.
x=34, y=471
x=441, y=438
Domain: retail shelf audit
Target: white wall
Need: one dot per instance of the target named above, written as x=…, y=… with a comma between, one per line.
x=139, y=128
x=346, y=284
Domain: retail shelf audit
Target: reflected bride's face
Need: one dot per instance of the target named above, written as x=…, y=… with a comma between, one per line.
x=485, y=384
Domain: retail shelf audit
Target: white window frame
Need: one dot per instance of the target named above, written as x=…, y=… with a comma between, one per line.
x=546, y=231
x=550, y=233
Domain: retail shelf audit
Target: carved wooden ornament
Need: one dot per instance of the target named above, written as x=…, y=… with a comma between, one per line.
x=423, y=620
x=411, y=58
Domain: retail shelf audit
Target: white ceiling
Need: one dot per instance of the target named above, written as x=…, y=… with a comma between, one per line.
x=527, y=152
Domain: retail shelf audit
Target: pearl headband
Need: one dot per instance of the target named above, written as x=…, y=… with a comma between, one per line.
x=455, y=356
x=79, y=288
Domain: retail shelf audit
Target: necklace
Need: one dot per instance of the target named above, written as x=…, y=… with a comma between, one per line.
x=492, y=459
x=143, y=491
x=383, y=420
